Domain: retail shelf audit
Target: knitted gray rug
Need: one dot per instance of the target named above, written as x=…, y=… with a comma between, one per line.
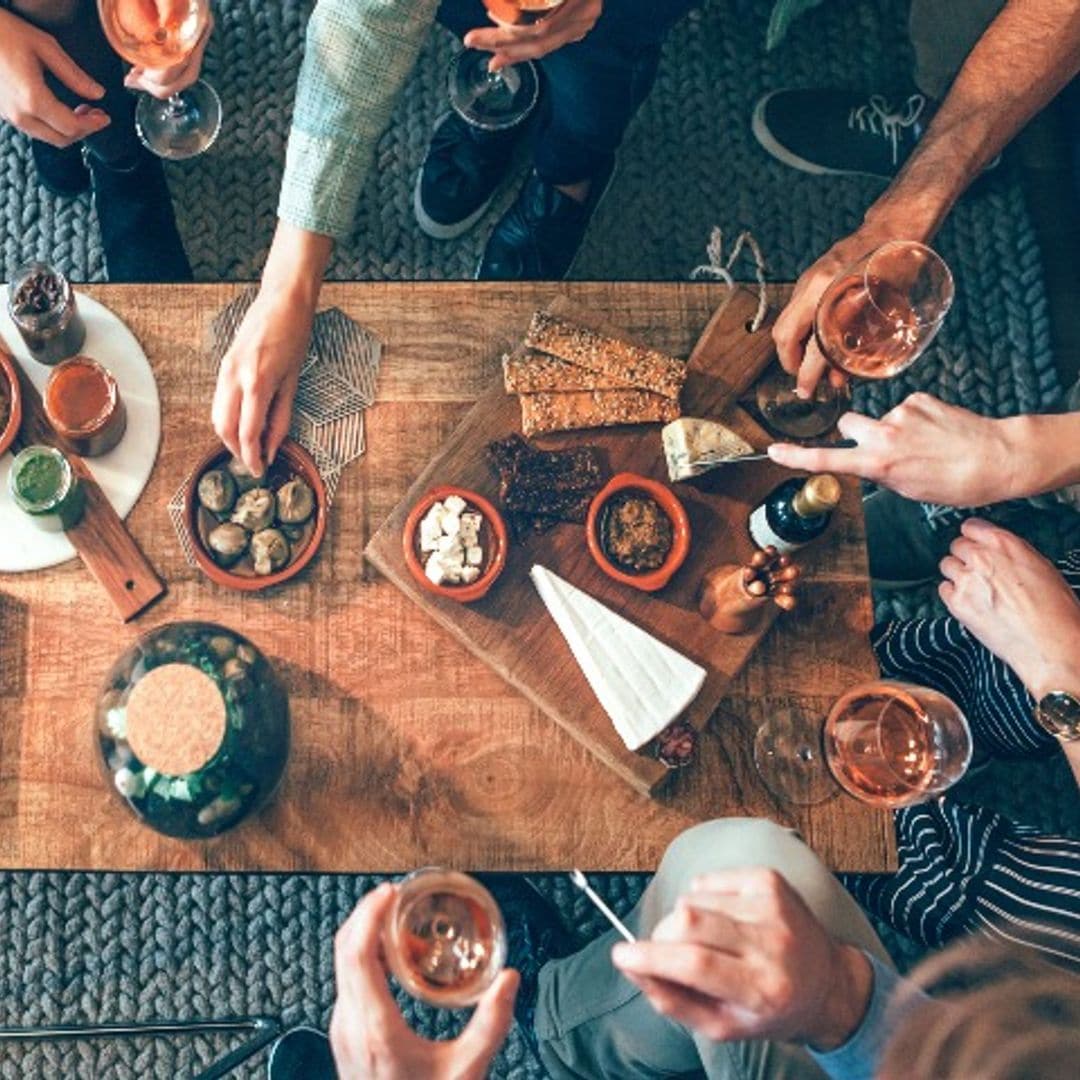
x=80, y=947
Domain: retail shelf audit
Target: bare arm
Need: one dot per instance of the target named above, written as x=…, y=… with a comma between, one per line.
x=1028, y=53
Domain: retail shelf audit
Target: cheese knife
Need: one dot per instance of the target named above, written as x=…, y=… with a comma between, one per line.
x=733, y=459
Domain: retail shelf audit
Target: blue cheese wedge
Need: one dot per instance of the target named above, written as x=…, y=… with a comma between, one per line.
x=688, y=441
x=642, y=684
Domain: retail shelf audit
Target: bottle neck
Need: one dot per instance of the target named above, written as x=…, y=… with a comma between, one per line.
x=817, y=497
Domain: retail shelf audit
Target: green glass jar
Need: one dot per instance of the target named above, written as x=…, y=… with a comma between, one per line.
x=193, y=729
x=45, y=487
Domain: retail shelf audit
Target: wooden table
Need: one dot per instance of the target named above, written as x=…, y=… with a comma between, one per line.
x=406, y=750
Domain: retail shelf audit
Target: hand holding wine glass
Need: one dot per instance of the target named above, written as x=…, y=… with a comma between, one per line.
x=530, y=29
x=368, y=1034
x=178, y=118
x=163, y=82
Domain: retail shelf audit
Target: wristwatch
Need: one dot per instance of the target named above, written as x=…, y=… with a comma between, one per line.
x=1058, y=712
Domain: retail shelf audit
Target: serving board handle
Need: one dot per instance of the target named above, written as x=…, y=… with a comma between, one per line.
x=101, y=538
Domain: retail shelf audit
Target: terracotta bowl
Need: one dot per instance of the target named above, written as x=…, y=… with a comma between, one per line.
x=680, y=541
x=292, y=459
x=9, y=379
x=499, y=542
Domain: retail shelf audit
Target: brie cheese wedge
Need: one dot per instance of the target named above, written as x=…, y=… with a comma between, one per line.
x=642, y=683
x=686, y=441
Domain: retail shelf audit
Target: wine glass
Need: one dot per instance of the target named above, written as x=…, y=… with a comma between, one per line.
x=445, y=941
x=496, y=100
x=874, y=320
x=878, y=317
x=161, y=34
x=888, y=743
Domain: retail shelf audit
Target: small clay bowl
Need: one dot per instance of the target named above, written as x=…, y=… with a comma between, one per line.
x=10, y=380
x=292, y=459
x=651, y=580
x=496, y=545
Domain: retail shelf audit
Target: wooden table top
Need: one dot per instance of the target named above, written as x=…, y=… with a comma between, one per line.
x=406, y=749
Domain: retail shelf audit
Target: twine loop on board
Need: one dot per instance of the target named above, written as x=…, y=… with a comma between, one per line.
x=719, y=269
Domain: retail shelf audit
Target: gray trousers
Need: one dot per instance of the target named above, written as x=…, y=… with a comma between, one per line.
x=943, y=33
x=593, y=1023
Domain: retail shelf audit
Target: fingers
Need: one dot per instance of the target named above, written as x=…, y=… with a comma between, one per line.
x=72, y=124
x=705, y=919
x=697, y=967
x=791, y=329
x=225, y=411
x=68, y=72
x=814, y=365
x=490, y=1024
x=358, y=964
x=686, y=1007
x=164, y=82
x=253, y=411
x=279, y=419
x=855, y=461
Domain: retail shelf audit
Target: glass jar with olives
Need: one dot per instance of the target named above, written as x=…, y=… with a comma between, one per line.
x=193, y=729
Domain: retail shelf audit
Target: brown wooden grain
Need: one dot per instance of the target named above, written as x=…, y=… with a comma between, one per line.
x=100, y=536
x=406, y=749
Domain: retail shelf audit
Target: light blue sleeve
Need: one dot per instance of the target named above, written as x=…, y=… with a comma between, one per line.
x=892, y=1000
x=357, y=56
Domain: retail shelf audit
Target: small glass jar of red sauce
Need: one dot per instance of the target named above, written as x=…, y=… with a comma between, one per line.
x=42, y=305
x=83, y=404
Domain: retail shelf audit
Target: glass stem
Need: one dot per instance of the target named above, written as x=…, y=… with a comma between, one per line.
x=176, y=106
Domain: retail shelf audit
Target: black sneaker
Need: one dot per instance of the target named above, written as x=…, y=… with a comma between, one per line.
x=539, y=236
x=302, y=1053
x=906, y=540
x=535, y=934
x=61, y=172
x=838, y=133
x=462, y=171
x=138, y=227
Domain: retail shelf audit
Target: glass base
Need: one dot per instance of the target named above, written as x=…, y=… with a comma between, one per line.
x=183, y=126
x=790, y=760
x=491, y=102
x=793, y=416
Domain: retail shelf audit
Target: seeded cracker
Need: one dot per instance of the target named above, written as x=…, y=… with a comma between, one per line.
x=541, y=413
x=641, y=367
x=528, y=372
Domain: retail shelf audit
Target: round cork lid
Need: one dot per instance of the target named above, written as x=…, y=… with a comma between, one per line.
x=175, y=719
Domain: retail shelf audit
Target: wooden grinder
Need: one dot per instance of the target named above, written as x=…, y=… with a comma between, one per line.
x=733, y=597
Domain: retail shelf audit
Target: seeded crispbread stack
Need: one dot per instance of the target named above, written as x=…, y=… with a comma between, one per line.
x=570, y=373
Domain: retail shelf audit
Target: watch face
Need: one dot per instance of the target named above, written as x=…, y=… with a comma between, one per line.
x=1059, y=713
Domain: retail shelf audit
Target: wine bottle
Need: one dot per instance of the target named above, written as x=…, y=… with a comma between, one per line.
x=795, y=513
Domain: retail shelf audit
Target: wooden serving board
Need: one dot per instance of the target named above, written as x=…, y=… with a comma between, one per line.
x=101, y=538
x=511, y=630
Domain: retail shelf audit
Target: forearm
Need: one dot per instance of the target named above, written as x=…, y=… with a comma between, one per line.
x=1044, y=453
x=356, y=58
x=1027, y=54
x=296, y=264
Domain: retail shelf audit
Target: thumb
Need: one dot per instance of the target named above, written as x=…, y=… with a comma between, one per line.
x=68, y=72
x=488, y=1028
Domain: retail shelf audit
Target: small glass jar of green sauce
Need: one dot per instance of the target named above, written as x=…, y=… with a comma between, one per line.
x=45, y=487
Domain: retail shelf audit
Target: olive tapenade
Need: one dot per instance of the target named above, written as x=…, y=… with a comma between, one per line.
x=635, y=532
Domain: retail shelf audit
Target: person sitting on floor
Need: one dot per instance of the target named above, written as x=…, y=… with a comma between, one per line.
x=598, y=62
x=751, y=960
x=62, y=84
x=932, y=155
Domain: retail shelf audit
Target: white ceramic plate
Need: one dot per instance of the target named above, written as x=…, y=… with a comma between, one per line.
x=123, y=472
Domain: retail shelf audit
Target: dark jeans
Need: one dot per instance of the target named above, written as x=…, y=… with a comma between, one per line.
x=76, y=26
x=593, y=88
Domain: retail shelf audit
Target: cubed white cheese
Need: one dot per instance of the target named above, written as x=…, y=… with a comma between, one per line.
x=474, y=556
x=430, y=532
x=434, y=515
x=469, y=574
x=451, y=524
x=455, y=504
x=471, y=520
x=448, y=543
x=434, y=571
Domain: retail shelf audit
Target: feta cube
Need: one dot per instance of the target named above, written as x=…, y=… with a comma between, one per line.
x=472, y=520
x=455, y=504
x=451, y=524
x=434, y=515
x=447, y=543
x=469, y=574
x=430, y=532
x=433, y=571
x=474, y=556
